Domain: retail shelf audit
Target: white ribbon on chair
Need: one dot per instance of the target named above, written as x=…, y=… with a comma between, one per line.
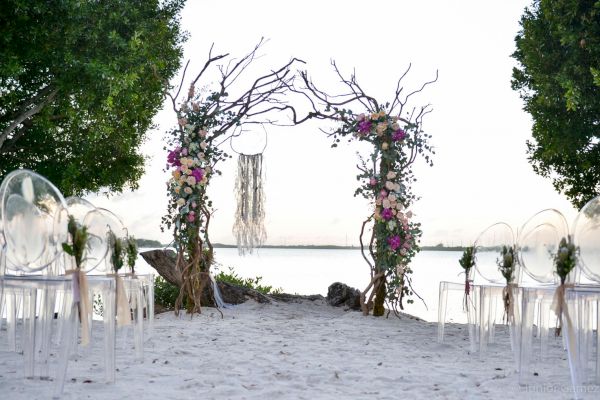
x=559, y=306
x=81, y=296
x=123, y=310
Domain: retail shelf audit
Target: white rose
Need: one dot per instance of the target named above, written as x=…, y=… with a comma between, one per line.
x=389, y=185
x=391, y=175
x=392, y=198
x=400, y=269
x=386, y=203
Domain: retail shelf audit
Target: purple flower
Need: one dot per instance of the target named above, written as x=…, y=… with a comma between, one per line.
x=398, y=135
x=198, y=174
x=364, y=126
x=173, y=157
x=387, y=214
x=394, y=242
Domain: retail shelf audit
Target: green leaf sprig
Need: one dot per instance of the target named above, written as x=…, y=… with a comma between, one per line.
x=132, y=252
x=467, y=260
x=79, y=241
x=116, y=247
x=507, y=263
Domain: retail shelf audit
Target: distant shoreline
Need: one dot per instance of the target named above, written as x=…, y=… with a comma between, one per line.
x=322, y=247
x=332, y=247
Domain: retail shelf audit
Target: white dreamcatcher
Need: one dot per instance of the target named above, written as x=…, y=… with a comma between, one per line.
x=249, y=225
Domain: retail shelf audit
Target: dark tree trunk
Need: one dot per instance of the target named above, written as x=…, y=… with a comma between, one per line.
x=378, y=306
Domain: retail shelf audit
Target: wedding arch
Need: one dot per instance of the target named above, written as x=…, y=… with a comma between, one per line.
x=208, y=118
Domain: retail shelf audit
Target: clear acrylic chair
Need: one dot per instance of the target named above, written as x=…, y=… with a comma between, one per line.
x=537, y=244
x=483, y=305
x=490, y=282
x=102, y=221
x=583, y=299
x=140, y=291
x=28, y=204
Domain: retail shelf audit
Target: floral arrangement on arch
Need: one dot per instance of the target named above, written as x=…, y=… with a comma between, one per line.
x=386, y=182
x=192, y=158
x=207, y=119
x=385, y=178
x=191, y=164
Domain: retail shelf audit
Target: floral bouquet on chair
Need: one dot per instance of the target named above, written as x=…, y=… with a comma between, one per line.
x=565, y=261
x=507, y=266
x=467, y=261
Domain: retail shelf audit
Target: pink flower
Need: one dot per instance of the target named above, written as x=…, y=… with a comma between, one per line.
x=191, y=216
x=383, y=193
x=184, y=151
x=394, y=242
x=387, y=214
x=373, y=181
x=398, y=135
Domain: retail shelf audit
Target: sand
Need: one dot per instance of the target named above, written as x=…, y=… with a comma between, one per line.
x=305, y=350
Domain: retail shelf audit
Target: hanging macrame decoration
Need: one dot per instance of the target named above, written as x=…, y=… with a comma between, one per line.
x=249, y=227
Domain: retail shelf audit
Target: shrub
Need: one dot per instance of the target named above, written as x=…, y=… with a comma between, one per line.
x=165, y=293
x=252, y=283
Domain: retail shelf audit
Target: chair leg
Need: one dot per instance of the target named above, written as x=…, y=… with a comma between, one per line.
x=443, y=303
x=109, y=334
x=29, y=331
x=67, y=333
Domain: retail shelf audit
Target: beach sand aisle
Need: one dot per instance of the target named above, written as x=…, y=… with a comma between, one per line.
x=302, y=350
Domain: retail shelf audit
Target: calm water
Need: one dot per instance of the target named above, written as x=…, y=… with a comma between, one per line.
x=312, y=271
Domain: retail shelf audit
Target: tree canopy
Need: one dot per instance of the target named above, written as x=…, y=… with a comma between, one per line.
x=558, y=78
x=80, y=82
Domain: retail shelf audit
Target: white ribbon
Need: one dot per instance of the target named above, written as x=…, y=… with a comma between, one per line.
x=123, y=310
x=81, y=296
x=559, y=306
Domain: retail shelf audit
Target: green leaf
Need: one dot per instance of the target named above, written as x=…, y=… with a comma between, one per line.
x=67, y=248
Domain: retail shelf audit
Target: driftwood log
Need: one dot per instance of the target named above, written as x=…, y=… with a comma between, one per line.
x=164, y=262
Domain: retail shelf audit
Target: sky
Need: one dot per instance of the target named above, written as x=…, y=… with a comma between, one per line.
x=480, y=174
